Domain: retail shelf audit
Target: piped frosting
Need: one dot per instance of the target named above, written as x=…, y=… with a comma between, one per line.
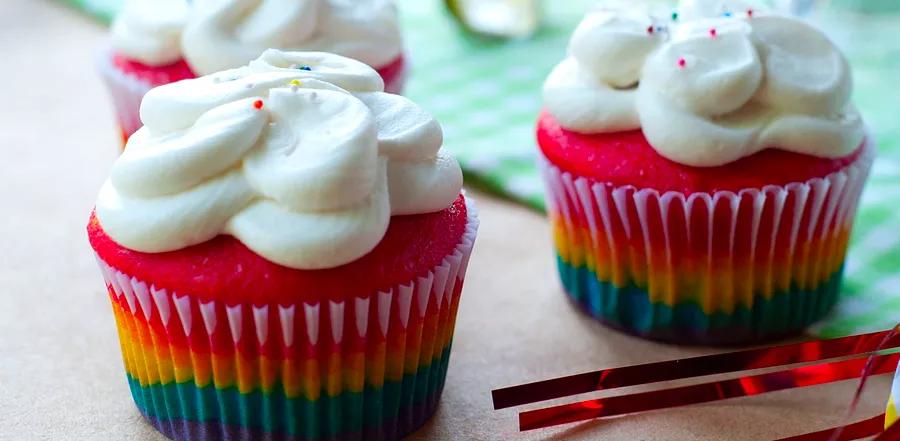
x=214, y=35
x=300, y=156
x=711, y=83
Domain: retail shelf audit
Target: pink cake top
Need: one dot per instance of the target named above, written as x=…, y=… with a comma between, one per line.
x=226, y=270
x=626, y=158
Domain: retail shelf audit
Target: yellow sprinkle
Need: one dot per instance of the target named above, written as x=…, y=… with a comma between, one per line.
x=297, y=83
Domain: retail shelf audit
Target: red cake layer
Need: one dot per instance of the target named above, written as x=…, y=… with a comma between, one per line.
x=391, y=70
x=224, y=269
x=155, y=75
x=180, y=70
x=626, y=158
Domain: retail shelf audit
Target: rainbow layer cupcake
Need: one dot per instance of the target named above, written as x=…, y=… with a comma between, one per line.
x=703, y=172
x=156, y=42
x=284, y=251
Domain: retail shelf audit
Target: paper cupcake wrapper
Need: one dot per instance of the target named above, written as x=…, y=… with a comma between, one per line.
x=126, y=92
x=721, y=267
x=370, y=367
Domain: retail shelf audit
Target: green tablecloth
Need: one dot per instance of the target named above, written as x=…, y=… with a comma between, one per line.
x=486, y=94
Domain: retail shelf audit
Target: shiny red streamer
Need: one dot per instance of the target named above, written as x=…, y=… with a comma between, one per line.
x=861, y=429
x=804, y=376
x=606, y=379
x=891, y=434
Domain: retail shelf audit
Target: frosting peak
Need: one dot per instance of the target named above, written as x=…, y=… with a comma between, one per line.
x=305, y=167
x=213, y=35
x=606, y=35
x=716, y=82
x=150, y=30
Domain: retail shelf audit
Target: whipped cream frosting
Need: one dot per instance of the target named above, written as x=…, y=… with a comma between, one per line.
x=149, y=31
x=214, y=35
x=708, y=84
x=305, y=167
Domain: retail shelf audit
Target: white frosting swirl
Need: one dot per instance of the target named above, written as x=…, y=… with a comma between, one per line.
x=720, y=82
x=149, y=31
x=303, y=167
x=223, y=34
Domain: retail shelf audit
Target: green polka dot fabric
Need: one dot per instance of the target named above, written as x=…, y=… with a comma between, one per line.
x=486, y=94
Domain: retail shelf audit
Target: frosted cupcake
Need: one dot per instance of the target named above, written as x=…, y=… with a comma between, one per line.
x=156, y=42
x=284, y=251
x=703, y=171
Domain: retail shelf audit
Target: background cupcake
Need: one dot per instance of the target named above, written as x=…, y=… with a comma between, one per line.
x=284, y=257
x=703, y=171
x=158, y=42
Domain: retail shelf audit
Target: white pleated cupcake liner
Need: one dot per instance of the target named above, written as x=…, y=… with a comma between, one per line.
x=618, y=216
x=320, y=327
x=126, y=92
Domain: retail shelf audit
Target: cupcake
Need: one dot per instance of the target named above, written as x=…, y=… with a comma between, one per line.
x=156, y=42
x=284, y=251
x=703, y=171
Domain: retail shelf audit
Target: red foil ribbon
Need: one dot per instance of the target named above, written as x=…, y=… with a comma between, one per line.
x=804, y=376
x=868, y=360
x=891, y=434
x=606, y=379
x=702, y=393
x=860, y=429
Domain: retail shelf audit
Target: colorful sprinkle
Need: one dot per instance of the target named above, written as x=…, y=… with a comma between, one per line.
x=258, y=104
x=727, y=14
x=650, y=29
x=712, y=32
x=305, y=68
x=296, y=83
x=750, y=13
x=682, y=63
x=674, y=15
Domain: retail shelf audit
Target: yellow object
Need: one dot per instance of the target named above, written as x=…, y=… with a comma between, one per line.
x=890, y=416
x=297, y=83
x=497, y=18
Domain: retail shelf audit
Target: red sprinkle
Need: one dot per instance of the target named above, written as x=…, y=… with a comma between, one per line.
x=749, y=13
x=712, y=32
x=682, y=63
x=650, y=29
x=258, y=104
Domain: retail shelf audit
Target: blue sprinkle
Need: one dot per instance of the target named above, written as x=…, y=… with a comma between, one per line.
x=305, y=68
x=727, y=14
